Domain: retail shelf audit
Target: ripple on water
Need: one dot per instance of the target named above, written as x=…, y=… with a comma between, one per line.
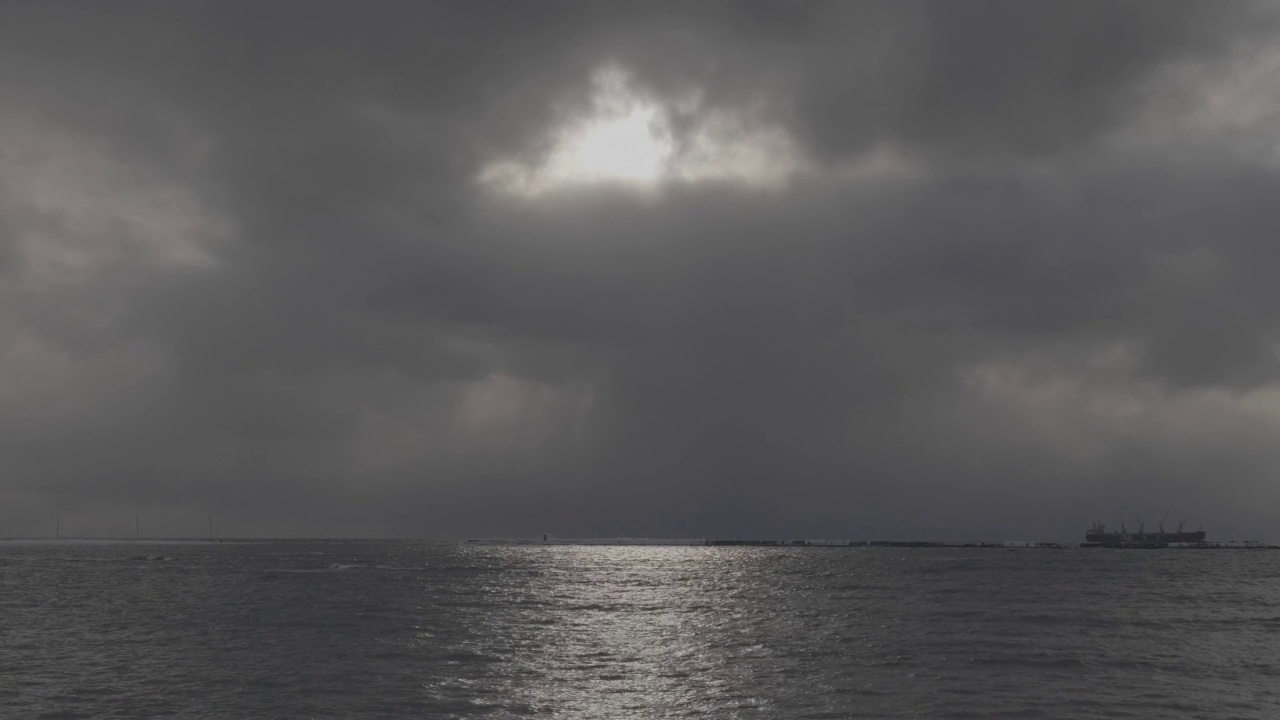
x=332, y=630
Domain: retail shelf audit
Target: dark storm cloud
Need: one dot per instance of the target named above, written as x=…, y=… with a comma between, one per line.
x=248, y=269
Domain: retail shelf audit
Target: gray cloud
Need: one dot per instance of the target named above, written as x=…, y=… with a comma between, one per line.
x=247, y=270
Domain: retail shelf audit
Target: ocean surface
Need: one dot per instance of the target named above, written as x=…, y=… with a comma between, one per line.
x=416, y=630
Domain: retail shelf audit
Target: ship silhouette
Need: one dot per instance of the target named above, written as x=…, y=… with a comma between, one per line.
x=1098, y=536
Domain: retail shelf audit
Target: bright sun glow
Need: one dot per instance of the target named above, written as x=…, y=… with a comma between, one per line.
x=621, y=148
x=627, y=140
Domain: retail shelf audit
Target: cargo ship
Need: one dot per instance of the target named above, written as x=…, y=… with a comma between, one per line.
x=1097, y=536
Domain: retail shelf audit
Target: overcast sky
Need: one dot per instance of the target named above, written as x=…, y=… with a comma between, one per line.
x=969, y=270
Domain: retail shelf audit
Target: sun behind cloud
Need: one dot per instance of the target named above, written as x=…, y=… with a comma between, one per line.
x=628, y=141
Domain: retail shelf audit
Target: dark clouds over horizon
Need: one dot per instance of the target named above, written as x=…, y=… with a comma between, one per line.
x=979, y=270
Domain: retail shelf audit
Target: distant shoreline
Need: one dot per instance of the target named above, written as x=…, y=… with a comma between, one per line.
x=659, y=542
x=867, y=544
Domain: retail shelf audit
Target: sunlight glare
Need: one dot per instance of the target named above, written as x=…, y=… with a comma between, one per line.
x=622, y=148
x=627, y=140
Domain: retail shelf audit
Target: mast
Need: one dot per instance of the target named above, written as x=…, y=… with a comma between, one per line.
x=57, y=532
x=210, y=526
x=137, y=528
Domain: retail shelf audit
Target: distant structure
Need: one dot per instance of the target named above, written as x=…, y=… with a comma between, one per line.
x=1123, y=539
x=1097, y=536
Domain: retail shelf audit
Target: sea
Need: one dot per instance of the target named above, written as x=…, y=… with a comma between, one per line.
x=397, y=629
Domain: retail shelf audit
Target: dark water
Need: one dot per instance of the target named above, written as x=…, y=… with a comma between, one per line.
x=391, y=630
